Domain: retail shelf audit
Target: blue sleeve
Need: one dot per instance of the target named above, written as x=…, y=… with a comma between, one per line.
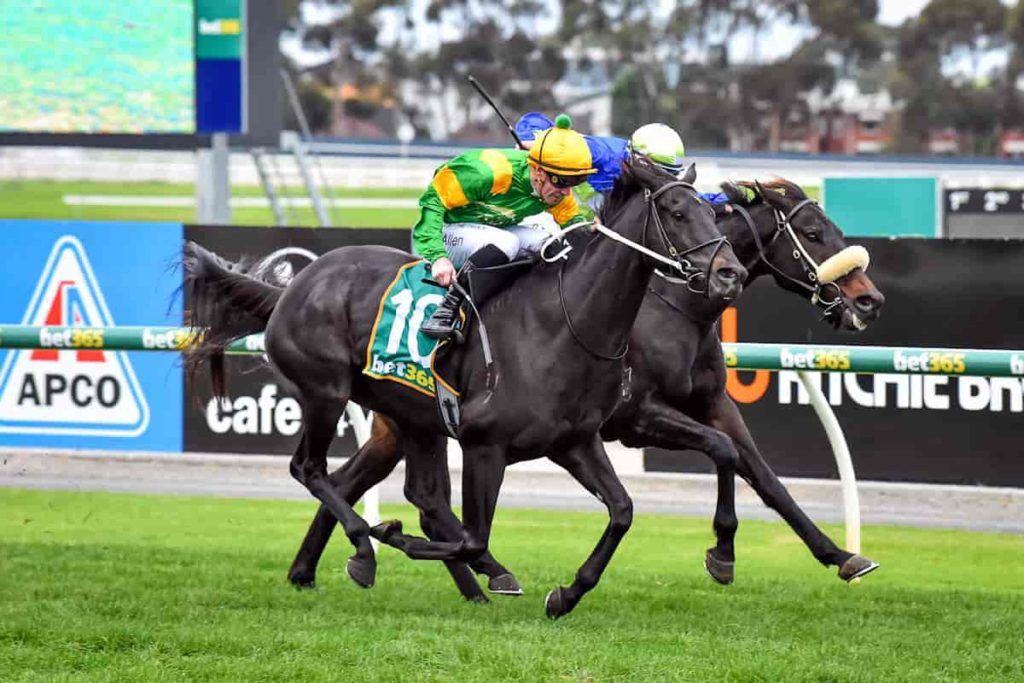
x=532, y=123
x=714, y=197
x=607, y=155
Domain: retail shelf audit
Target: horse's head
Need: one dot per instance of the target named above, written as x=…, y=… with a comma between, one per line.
x=807, y=253
x=674, y=222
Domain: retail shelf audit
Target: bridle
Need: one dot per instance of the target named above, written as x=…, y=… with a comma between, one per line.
x=695, y=279
x=691, y=276
x=816, y=290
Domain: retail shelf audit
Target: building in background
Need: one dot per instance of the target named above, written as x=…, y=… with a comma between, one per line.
x=844, y=120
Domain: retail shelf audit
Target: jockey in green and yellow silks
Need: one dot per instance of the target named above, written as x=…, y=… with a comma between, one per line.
x=480, y=197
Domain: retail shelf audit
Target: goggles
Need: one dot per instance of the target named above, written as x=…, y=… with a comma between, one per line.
x=566, y=180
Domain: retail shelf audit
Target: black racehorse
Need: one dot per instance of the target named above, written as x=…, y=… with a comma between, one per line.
x=674, y=387
x=558, y=336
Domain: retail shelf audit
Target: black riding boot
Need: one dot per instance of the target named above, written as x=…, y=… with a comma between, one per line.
x=441, y=324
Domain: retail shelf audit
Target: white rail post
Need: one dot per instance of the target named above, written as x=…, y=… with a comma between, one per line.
x=847, y=478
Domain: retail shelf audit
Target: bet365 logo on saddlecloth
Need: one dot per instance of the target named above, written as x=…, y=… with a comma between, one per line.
x=398, y=351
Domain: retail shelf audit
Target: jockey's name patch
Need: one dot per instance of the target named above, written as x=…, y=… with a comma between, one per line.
x=398, y=351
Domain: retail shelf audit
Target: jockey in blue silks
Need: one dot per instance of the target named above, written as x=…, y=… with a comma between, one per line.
x=656, y=141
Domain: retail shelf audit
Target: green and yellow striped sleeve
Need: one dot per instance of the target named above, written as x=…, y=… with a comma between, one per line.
x=567, y=212
x=471, y=176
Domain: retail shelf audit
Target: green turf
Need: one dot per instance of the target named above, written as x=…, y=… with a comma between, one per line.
x=43, y=200
x=136, y=588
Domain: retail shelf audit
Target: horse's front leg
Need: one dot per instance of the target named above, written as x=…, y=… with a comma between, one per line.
x=725, y=416
x=483, y=471
x=663, y=426
x=588, y=463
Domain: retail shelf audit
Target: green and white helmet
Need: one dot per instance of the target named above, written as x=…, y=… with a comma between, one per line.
x=660, y=144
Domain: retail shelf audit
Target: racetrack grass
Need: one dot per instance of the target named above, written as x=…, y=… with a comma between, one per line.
x=138, y=588
x=44, y=200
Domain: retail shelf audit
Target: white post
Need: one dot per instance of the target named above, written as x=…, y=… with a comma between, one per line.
x=847, y=478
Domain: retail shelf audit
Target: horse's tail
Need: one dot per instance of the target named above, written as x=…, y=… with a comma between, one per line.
x=227, y=303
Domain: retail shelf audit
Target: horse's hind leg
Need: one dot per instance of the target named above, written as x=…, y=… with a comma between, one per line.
x=752, y=467
x=369, y=466
x=309, y=467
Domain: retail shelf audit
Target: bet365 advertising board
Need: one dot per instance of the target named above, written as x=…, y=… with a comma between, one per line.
x=900, y=426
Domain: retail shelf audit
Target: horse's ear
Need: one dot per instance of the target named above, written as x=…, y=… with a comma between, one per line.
x=690, y=174
x=775, y=195
x=733, y=191
x=769, y=195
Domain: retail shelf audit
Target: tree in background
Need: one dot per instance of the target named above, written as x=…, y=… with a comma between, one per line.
x=778, y=89
x=1011, y=99
x=353, y=79
x=849, y=28
x=950, y=32
x=666, y=61
x=627, y=36
x=495, y=45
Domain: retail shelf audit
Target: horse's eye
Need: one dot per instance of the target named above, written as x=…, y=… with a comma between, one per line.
x=678, y=215
x=813, y=235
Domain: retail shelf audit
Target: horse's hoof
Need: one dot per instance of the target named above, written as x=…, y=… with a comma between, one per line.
x=383, y=530
x=855, y=567
x=478, y=599
x=721, y=571
x=555, y=605
x=505, y=584
x=302, y=578
x=362, y=571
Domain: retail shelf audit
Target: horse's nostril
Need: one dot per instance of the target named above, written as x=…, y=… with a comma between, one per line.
x=727, y=273
x=868, y=302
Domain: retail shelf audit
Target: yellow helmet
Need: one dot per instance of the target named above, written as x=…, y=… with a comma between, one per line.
x=562, y=151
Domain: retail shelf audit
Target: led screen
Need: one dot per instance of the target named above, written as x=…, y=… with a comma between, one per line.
x=97, y=66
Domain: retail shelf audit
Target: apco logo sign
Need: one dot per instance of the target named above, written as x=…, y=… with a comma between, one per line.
x=70, y=385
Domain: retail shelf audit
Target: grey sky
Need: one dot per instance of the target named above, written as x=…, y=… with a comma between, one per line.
x=895, y=11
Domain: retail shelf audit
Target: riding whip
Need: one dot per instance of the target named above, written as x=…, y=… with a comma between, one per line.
x=483, y=94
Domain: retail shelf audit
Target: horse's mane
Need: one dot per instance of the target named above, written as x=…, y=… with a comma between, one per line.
x=637, y=174
x=748, y=192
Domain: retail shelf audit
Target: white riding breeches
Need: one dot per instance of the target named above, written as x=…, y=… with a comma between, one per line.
x=518, y=241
